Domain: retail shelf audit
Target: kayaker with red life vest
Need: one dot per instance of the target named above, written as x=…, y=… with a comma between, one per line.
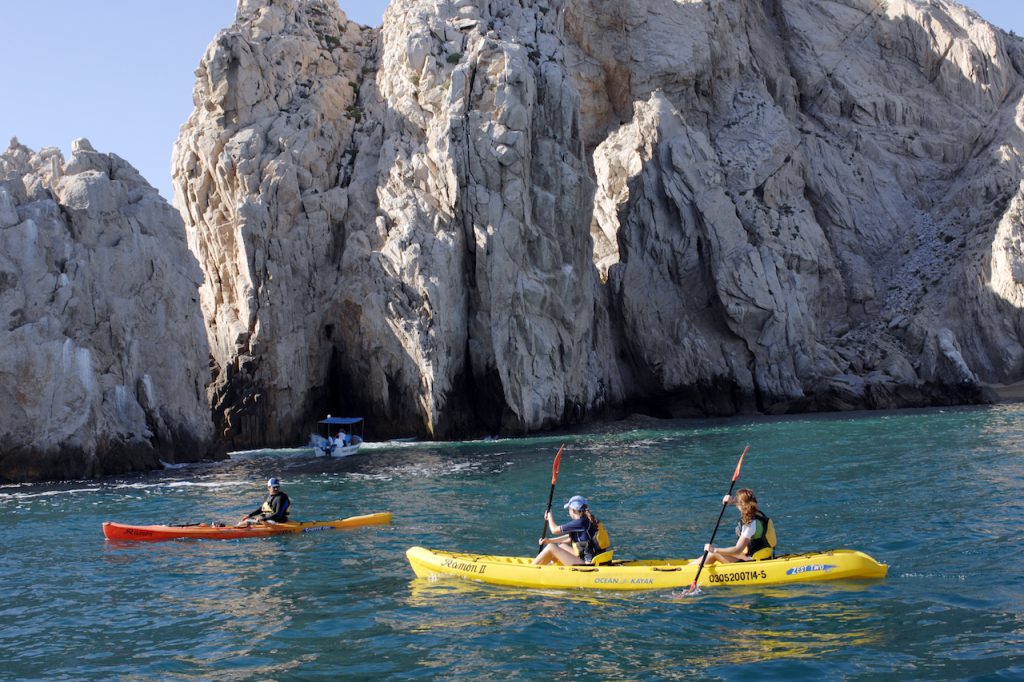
x=274, y=509
x=755, y=532
x=581, y=531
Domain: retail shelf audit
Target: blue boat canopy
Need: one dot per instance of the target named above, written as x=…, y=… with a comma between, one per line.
x=341, y=420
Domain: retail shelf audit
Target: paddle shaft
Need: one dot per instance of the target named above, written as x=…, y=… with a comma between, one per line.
x=721, y=513
x=551, y=495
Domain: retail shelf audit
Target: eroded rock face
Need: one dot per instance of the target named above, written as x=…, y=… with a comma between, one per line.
x=799, y=182
x=473, y=151
x=258, y=175
x=341, y=261
x=508, y=216
x=103, y=354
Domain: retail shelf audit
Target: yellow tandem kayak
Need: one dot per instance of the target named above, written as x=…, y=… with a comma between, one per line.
x=650, y=574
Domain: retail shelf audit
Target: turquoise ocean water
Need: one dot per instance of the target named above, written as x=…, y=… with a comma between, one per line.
x=936, y=494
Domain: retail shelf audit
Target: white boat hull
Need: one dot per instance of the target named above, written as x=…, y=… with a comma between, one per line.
x=335, y=451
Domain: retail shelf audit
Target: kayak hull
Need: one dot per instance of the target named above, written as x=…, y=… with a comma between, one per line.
x=122, y=531
x=836, y=564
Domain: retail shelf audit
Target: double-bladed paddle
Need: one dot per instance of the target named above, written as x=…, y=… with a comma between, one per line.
x=693, y=587
x=551, y=495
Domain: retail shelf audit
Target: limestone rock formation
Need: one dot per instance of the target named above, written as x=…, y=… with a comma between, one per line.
x=258, y=174
x=103, y=355
x=799, y=183
x=512, y=215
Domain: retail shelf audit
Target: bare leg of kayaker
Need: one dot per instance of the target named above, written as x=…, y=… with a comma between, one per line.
x=556, y=553
x=556, y=550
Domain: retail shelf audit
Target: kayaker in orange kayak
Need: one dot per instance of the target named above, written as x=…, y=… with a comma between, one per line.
x=273, y=510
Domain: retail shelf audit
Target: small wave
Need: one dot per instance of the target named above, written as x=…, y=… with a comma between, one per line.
x=932, y=576
x=398, y=444
x=180, y=484
x=431, y=470
x=369, y=477
x=170, y=465
x=419, y=470
x=281, y=452
x=47, y=493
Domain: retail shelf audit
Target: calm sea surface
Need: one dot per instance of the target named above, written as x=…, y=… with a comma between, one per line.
x=935, y=494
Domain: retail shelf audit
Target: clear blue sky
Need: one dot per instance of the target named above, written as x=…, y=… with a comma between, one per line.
x=120, y=72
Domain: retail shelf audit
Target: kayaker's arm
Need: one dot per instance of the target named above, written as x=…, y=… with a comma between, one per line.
x=738, y=550
x=552, y=526
x=560, y=540
x=258, y=510
x=249, y=516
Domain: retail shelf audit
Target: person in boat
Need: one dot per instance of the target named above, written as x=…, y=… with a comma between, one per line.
x=274, y=509
x=755, y=533
x=580, y=531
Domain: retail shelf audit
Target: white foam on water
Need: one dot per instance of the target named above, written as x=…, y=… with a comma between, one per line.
x=280, y=452
x=959, y=577
x=181, y=484
x=47, y=493
x=393, y=445
x=370, y=477
x=15, y=495
x=419, y=470
x=169, y=465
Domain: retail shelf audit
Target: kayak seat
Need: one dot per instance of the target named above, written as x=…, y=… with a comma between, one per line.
x=602, y=558
x=763, y=553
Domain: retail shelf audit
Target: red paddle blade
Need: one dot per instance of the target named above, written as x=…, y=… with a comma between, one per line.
x=554, y=467
x=739, y=464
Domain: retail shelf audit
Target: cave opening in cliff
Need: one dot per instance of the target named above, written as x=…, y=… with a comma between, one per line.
x=480, y=400
x=341, y=393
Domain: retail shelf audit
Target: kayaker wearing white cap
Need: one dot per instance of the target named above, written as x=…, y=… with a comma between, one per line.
x=581, y=530
x=274, y=509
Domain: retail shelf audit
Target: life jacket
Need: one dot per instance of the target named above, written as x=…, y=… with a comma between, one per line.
x=604, y=541
x=762, y=545
x=597, y=542
x=267, y=509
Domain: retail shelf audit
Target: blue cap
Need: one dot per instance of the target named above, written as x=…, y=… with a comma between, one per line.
x=575, y=502
x=273, y=483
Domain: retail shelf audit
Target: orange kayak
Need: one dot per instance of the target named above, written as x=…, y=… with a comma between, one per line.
x=122, y=531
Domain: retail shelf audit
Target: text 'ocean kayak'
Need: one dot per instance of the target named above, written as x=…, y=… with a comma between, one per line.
x=644, y=574
x=121, y=531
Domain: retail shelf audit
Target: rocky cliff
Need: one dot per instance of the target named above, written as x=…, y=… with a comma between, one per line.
x=514, y=215
x=103, y=355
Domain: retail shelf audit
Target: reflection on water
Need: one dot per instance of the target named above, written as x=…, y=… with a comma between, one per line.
x=805, y=630
x=776, y=624
x=426, y=592
x=496, y=608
